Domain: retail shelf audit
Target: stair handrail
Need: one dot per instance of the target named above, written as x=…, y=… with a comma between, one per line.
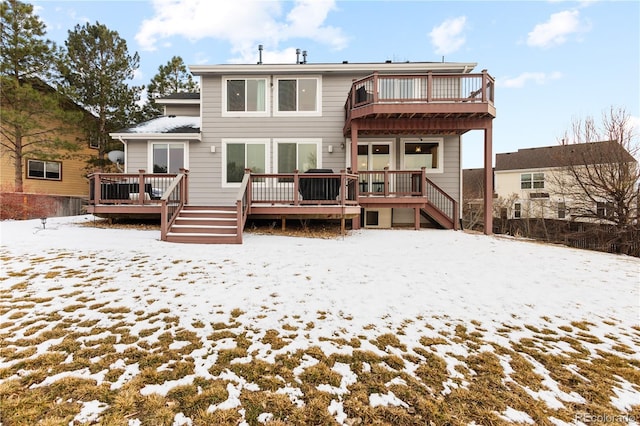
x=172, y=201
x=442, y=202
x=243, y=203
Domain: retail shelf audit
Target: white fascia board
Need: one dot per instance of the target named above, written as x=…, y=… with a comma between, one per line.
x=393, y=67
x=177, y=101
x=157, y=136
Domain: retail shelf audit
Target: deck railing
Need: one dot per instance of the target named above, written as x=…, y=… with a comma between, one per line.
x=172, y=201
x=128, y=188
x=243, y=204
x=303, y=189
x=442, y=201
x=396, y=183
x=424, y=88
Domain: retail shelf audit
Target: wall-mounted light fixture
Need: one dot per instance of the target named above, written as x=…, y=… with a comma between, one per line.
x=213, y=148
x=330, y=148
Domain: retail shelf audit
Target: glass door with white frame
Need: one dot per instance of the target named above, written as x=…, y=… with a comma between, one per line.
x=373, y=157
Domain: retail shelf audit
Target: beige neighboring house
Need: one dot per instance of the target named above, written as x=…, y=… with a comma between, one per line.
x=530, y=179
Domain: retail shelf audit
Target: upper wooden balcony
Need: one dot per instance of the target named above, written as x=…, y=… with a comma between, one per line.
x=446, y=103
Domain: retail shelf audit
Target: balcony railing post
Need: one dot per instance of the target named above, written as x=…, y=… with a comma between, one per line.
x=386, y=181
x=343, y=187
x=485, y=80
x=375, y=87
x=296, y=186
x=164, y=218
x=249, y=188
x=429, y=86
x=141, y=186
x=423, y=181
x=97, y=188
x=184, y=186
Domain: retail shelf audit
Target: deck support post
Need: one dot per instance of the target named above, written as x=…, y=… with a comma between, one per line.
x=416, y=218
x=488, y=179
x=283, y=221
x=355, y=222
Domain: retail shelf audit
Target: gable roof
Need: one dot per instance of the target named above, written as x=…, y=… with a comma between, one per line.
x=562, y=155
x=165, y=125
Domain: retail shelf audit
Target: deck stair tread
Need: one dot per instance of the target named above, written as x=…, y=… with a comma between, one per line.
x=205, y=225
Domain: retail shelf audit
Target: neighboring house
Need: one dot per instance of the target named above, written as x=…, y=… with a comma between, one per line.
x=531, y=179
x=58, y=182
x=375, y=143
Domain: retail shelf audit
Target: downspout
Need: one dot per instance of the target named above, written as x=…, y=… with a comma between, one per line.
x=125, y=154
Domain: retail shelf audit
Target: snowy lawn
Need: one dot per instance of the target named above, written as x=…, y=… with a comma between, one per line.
x=397, y=327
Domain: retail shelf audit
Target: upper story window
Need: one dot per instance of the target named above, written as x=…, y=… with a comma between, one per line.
x=50, y=170
x=532, y=181
x=298, y=96
x=168, y=157
x=245, y=96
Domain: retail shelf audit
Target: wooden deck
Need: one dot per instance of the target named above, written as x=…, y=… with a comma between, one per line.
x=320, y=195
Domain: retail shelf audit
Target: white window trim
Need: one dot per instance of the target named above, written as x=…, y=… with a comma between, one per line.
x=44, y=164
x=267, y=98
x=150, y=152
x=316, y=113
x=439, y=141
x=267, y=158
x=533, y=188
x=317, y=141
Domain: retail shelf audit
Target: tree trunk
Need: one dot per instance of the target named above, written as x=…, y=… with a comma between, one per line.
x=17, y=179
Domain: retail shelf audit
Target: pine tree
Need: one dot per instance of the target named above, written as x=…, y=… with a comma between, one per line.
x=95, y=71
x=32, y=114
x=171, y=78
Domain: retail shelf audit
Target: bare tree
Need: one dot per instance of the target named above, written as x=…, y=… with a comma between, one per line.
x=600, y=176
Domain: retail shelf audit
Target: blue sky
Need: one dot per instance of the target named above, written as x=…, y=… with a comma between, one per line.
x=553, y=61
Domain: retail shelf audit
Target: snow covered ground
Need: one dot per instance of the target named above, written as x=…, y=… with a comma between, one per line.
x=416, y=285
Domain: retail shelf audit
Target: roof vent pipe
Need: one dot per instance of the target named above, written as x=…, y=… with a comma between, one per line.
x=259, y=54
x=304, y=56
x=297, y=56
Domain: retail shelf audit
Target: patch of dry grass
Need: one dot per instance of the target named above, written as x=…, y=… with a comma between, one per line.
x=88, y=356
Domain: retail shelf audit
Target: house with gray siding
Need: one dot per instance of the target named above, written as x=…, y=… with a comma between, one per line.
x=372, y=144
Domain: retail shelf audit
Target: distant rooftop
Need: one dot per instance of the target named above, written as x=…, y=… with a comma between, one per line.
x=561, y=155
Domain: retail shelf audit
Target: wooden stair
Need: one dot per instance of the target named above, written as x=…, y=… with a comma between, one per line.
x=436, y=217
x=206, y=225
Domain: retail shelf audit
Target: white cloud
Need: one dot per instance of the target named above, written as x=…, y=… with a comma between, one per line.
x=634, y=124
x=520, y=81
x=242, y=23
x=447, y=37
x=557, y=29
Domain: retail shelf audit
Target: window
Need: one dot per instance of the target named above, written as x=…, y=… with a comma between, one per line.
x=517, y=210
x=423, y=153
x=604, y=209
x=168, y=157
x=298, y=96
x=532, y=181
x=245, y=96
x=240, y=155
x=50, y=170
x=562, y=210
x=297, y=155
